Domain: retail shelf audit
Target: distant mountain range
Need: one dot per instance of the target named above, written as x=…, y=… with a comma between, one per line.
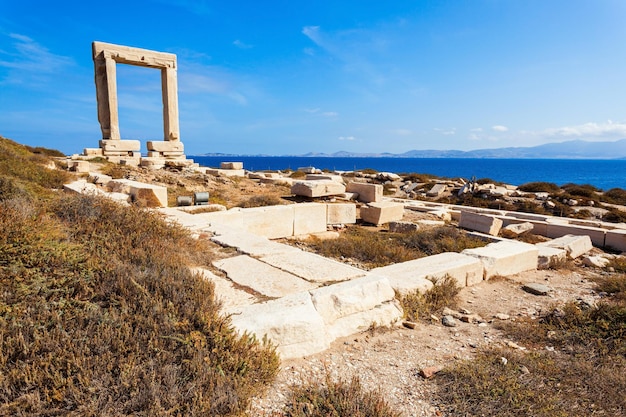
x=575, y=149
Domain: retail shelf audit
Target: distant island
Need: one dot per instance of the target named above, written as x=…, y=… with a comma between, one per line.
x=575, y=149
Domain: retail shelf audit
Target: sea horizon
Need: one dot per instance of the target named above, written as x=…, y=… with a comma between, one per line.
x=601, y=173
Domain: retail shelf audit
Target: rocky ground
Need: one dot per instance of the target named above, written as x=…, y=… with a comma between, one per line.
x=392, y=360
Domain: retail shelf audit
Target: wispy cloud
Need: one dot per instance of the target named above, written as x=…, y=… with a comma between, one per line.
x=319, y=112
x=499, y=128
x=239, y=44
x=29, y=62
x=197, y=79
x=589, y=130
x=446, y=131
x=346, y=138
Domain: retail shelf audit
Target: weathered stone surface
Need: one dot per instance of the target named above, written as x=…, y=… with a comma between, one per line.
x=120, y=145
x=418, y=274
x=309, y=218
x=383, y=212
x=148, y=195
x=431, y=223
x=152, y=162
x=437, y=190
x=616, y=239
x=341, y=213
x=78, y=166
x=261, y=277
x=367, y=193
x=596, y=261
x=514, y=230
x=291, y=323
x=99, y=179
x=329, y=177
x=225, y=292
x=231, y=165
x=480, y=223
x=165, y=146
x=449, y=321
x=313, y=267
x=272, y=221
x=505, y=258
x=82, y=187
x=556, y=230
x=444, y=215
x=319, y=188
x=549, y=257
x=251, y=244
x=225, y=172
x=92, y=151
x=403, y=227
x=536, y=288
x=575, y=246
x=352, y=306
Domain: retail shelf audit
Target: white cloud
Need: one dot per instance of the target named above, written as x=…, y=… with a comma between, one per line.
x=346, y=138
x=402, y=132
x=239, y=44
x=500, y=128
x=29, y=62
x=330, y=114
x=589, y=130
x=446, y=131
x=476, y=129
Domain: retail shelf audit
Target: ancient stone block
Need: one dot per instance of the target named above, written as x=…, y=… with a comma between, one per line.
x=292, y=323
x=148, y=195
x=231, y=165
x=119, y=145
x=403, y=227
x=261, y=277
x=408, y=276
x=152, y=162
x=550, y=257
x=505, y=258
x=330, y=177
x=597, y=235
x=309, y=218
x=383, y=212
x=575, y=246
x=92, y=152
x=437, y=190
x=319, y=188
x=480, y=223
x=367, y=193
x=616, y=239
x=272, y=222
x=165, y=146
x=514, y=230
x=78, y=166
x=313, y=267
x=341, y=213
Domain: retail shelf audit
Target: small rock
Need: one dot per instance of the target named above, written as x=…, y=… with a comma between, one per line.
x=502, y=316
x=596, y=261
x=449, y=321
x=409, y=324
x=429, y=371
x=524, y=370
x=514, y=345
x=434, y=318
x=504, y=360
x=465, y=311
x=536, y=288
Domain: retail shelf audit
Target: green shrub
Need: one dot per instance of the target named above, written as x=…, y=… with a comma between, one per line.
x=100, y=315
x=538, y=187
x=337, y=398
x=417, y=305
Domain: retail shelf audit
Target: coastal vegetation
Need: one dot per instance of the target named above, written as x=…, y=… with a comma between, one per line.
x=372, y=249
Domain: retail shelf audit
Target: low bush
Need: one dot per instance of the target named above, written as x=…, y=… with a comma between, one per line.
x=261, y=201
x=539, y=187
x=437, y=240
x=417, y=305
x=584, y=190
x=615, y=196
x=100, y=315
x=337, y=398
x=614, y=216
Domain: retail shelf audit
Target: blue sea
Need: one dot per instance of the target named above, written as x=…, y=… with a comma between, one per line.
x=604, y=174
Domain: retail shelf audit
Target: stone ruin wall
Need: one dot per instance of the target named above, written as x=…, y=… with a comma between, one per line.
x=169, y=151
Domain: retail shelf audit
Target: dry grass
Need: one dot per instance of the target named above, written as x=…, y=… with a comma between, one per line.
x=261, y=200
x=336, y=399
x=419, y=306
x=372, y=249
x=584, y=375
x=100, y=314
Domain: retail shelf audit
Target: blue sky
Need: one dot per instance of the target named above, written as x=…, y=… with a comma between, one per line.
x=290, y=77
